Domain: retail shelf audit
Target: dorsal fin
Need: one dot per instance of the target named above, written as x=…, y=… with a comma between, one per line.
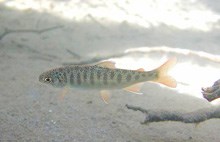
x=140, y=70
x=107, y=64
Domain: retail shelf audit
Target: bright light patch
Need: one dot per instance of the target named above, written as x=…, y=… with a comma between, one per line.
x=180, y=14
x=180, y=51
x=134, y=64
x=216, y=102
x=191, y=77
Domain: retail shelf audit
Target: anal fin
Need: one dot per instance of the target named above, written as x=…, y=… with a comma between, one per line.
x=105, y=95
x=134, y=88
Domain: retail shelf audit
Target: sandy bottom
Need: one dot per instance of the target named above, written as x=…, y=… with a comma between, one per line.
x=32, y=42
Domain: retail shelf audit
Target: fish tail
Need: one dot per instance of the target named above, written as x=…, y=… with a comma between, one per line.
x=163, y=77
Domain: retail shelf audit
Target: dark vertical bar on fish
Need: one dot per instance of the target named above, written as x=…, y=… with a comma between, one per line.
x=119, y=78
x=112, y=75
x=137, y=77
x=105, y=77
x=91, y=77
x=84, y=75
x=128, y=77
x=98, y=75
x=72, y=78
x=65, y=77
x=78, y=78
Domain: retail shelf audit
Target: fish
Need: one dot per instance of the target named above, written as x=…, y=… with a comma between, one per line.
x=104, y=76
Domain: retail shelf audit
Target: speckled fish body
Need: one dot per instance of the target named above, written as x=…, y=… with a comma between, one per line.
x=104, y=77
x=97, y=77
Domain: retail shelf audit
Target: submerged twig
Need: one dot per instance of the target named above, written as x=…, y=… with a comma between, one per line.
x=10, y=31
x=75, y=55
x=213, y=92
x=190, y=117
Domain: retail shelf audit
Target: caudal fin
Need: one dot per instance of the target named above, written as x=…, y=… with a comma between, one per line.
x=163, y=77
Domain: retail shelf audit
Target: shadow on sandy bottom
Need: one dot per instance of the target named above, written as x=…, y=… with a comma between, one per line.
x=92, y=37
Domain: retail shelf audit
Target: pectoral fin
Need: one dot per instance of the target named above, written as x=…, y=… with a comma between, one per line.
x=105, y=95
x=107, y=64
x=63, y=93
x=134, y=88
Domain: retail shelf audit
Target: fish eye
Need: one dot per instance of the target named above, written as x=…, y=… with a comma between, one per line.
x=47, y=79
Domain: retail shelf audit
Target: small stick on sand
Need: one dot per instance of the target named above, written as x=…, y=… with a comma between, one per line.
x=10, y=31
x=213, y=92
x=190, y=117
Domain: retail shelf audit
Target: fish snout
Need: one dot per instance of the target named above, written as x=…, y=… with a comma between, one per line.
x=41, y=78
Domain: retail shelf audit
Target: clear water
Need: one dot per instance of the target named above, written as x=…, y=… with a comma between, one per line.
x=39, y=35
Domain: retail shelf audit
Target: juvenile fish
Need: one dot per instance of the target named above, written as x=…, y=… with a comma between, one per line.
x=104, y=76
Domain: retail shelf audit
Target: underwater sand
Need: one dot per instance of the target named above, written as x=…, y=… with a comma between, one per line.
x=34, y=41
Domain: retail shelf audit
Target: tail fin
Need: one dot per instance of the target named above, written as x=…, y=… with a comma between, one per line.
x=163, y=78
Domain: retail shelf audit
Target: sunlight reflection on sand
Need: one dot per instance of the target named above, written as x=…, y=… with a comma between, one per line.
x=177, y=13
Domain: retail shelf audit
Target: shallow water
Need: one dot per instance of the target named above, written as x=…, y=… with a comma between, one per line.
x=39, y=35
